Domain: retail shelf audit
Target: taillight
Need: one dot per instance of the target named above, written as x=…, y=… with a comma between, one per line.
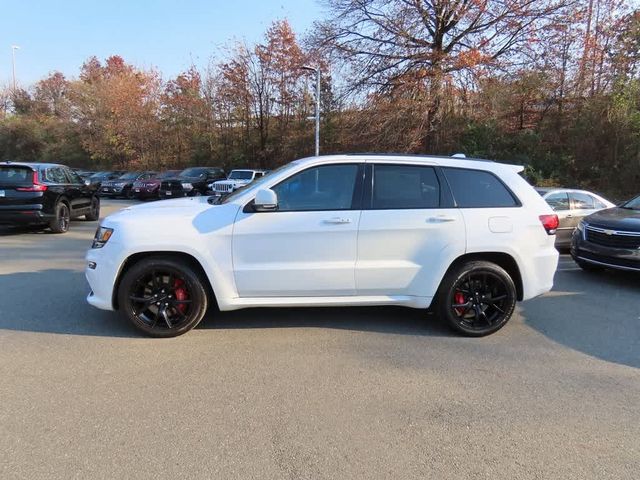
x=550, y=223
x=36, y=187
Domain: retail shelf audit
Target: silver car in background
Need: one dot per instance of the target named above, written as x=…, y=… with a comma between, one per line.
x=571, y=206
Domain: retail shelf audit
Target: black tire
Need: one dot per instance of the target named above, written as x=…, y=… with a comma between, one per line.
x=60, y=224
x=127, y=193
x=163, y=297
x=94, y=214
x=196, y=193
x=589, y=267
x=477, y=298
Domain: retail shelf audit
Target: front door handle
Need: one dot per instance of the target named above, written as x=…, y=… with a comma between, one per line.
x=441, y=219
x=337, y=220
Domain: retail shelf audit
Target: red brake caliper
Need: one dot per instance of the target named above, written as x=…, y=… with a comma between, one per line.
x=458, y=297
x=181, y=294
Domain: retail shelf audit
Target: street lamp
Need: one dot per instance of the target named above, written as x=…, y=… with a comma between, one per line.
x=13, y=63
x=316, y=70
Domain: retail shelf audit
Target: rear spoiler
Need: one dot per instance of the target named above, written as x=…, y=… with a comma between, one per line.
x=515, y=168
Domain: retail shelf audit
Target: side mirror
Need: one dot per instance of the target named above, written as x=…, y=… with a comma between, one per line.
x=266, y=201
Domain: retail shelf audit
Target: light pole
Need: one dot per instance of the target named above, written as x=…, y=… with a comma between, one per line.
x=317, y=115
x=13, y=63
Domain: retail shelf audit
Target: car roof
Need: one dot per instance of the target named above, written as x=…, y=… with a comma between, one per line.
x=32, y=165
x=435, y=160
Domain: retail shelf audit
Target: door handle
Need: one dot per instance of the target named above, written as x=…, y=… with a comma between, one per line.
x=337, y=220
x=441, y=219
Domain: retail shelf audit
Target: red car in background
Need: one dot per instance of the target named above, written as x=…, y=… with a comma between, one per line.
x=149, y=188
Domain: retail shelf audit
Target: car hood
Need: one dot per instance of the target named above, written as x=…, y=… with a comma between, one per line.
x=170, y=224
x=616, y=218
x=231, y=182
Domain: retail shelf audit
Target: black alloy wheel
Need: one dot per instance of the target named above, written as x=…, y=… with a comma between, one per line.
x=163, y=296
x=478, y=298
x=60, y=224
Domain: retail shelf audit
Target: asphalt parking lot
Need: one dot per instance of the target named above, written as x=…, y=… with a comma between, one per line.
x=312, y=393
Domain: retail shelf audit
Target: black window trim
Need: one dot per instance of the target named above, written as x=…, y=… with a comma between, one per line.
x=356, y=199
x=518, y=203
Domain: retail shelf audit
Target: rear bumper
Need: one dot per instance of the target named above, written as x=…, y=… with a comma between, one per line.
x=537, y=276
x=24, y=217
x=617, y=258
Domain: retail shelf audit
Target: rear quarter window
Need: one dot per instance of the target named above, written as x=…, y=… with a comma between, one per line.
x=478, y=189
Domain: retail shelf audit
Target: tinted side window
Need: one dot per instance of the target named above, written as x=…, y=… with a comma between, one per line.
x=73, y=176
x=478, y=189
x=582, y=201
x=558, y=201
x=405, y=186
x=328, y=187
x=55, y=175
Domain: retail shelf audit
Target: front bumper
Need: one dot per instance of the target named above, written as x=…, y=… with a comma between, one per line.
x=616, y=258
x=102, y=277
x=110, y=191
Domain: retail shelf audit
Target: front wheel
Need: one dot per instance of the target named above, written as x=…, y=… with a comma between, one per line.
x=477, y=298
x=163, y=297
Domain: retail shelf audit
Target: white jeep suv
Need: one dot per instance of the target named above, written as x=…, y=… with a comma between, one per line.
x=236, y=179
x=467, y=238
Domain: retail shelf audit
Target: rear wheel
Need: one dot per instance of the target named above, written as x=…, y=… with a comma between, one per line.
x=477, y=298
x=94, y=213
x=163, y=297
x=60, y=224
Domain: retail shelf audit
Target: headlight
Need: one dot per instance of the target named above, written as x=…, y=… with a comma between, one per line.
x=120, y=184
x=582, y=225
x=187, y=186
x=101, y=237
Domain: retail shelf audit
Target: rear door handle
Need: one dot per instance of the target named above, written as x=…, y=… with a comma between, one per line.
x=337, y=220
x=441, y=219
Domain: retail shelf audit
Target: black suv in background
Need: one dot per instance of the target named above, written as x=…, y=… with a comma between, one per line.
x=123, y=185
x=609, y=238
x=45, y=194
x=190, y=182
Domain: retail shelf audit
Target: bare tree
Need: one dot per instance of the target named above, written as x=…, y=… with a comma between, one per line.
x=389, y=43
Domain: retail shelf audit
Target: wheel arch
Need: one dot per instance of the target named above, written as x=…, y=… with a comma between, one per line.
x=503, y=260
x=135, y=258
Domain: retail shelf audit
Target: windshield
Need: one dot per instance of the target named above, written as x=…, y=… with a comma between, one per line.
x=253, y=186
x=241, y=175
x=167, y=174
x=192, y=172
x=129, y=176
x=633, y=204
